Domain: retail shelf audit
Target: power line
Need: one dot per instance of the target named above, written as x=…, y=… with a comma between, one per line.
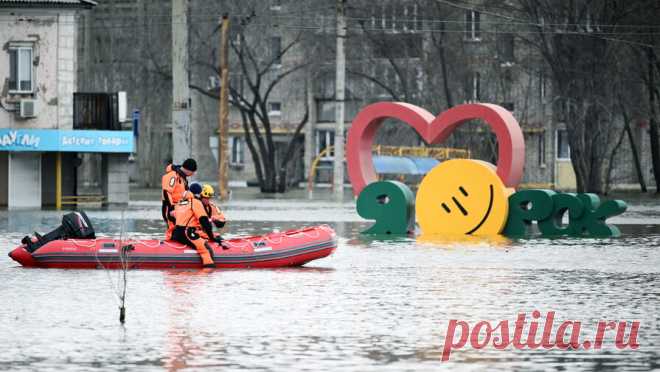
x=393, y=30
x=390, y=19
x=538, y=29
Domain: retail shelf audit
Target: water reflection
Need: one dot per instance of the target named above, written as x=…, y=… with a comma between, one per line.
x=182, y=291
x=463, y=241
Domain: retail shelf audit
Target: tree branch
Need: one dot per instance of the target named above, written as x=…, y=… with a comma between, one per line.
x=376, y=81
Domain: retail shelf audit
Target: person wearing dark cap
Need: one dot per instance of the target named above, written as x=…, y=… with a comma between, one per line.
x=174, y=186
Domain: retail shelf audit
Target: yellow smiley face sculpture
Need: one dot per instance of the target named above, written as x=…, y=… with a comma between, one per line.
x=462, y=196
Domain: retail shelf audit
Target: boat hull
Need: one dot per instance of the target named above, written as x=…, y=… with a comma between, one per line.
x=277, y=249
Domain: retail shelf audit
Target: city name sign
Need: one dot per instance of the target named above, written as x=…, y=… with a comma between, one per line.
x=465, y=196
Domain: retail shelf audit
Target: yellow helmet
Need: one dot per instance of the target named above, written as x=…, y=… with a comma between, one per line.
x=207, y=191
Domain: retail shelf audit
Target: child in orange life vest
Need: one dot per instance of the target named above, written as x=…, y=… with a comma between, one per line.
x=212, y=210
x=174, y=185
x=193, y=224
x=217, y=217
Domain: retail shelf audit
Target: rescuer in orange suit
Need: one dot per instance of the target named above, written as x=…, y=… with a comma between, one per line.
x=193, y=224
x=175, y=184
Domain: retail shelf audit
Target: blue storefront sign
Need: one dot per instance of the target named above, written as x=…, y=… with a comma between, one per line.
x=45, y=140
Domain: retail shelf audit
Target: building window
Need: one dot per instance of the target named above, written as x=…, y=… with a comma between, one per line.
x=235, y=82
x=20, y=69
x=472, y=25
x=542, y=85
x=505, y=48
x=275, y=108
x=508, y=82
x=388, y=17
x=541, y=149
x=394, y=24
x=325, y=111
x=380, y=18
x=276, y=50
x=408, y=20
x=276, y=5
x=237, y=157
x=588, y=22
x=563, y=148
x=324, y=139
x=474, y=87
x=419, y=80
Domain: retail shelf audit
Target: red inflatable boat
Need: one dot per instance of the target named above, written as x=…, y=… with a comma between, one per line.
x=277, y=249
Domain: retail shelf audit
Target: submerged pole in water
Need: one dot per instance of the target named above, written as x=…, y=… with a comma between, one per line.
x=124, y=267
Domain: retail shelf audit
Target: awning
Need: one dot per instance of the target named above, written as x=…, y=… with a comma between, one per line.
x=424, y=165
x=394, y=165
x=403, y=165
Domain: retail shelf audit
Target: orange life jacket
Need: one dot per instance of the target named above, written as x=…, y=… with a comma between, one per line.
x=214, y=211
x=173, y=185
x=188, y=212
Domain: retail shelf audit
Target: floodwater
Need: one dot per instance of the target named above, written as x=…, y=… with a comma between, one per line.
x=375, y=305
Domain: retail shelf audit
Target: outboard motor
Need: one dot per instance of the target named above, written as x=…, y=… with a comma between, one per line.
x=75, y=225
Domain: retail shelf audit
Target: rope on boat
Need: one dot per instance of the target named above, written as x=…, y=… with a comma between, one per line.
x=79, y=243
x=300, y=233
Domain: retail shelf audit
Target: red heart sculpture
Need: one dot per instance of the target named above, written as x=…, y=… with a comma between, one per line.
x=511, y=144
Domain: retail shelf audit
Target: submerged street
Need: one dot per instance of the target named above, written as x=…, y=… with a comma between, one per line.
x=373, y=305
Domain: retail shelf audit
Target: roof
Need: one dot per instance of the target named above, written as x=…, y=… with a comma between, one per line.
x=48, y=4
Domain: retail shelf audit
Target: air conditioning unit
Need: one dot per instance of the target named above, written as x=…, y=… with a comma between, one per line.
x=28, y=108
x=121, y=106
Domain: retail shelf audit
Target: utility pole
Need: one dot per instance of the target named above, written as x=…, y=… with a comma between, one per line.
x=181, y=137
x=223, y=111
x=338, y=171
x=310, y=153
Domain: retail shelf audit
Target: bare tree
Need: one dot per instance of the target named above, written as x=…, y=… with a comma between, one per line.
x=258, y=70
x=566, y=36
x=637, y=39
